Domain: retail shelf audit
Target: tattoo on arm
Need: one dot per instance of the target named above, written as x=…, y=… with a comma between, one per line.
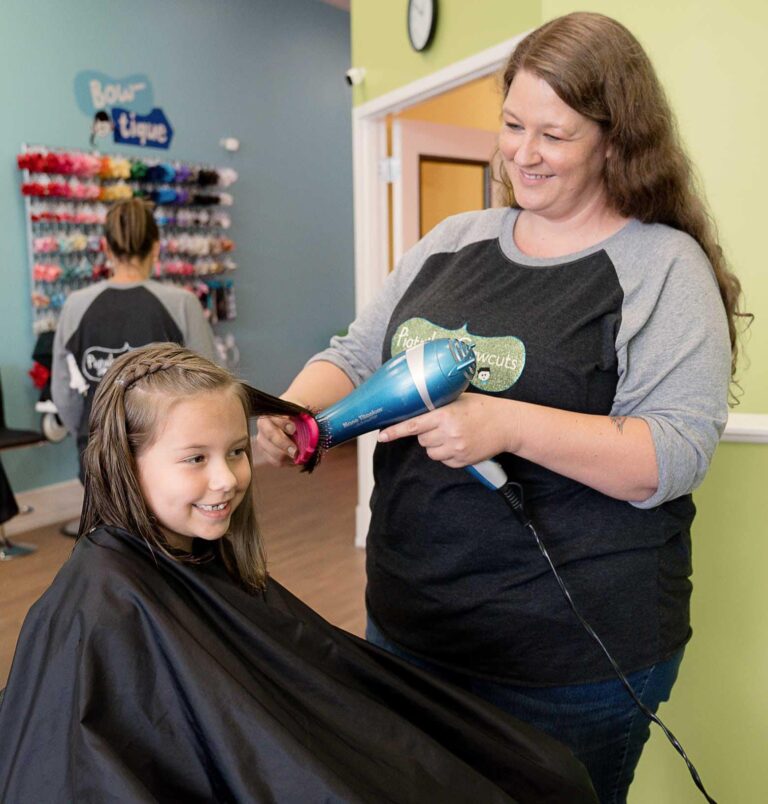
x=618, y=422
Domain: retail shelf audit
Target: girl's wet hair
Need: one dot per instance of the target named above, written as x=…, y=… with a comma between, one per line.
x=132, y=399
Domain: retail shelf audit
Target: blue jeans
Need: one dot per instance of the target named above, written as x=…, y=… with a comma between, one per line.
x=599, y=722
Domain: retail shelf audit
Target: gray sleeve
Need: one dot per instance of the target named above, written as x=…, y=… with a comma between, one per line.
x=69, y=401
x=187, y=312
x=675, y=373
x=358, y=353
x=198, y=334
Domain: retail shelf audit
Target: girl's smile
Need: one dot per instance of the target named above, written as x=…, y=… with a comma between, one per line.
x=197, y=471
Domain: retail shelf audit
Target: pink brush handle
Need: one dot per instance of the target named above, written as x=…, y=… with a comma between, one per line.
x=306, y=438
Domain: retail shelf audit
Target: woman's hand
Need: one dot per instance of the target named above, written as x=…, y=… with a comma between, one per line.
x=616, y=456
x=317, y=386
x=471, y=429
x=273, y=439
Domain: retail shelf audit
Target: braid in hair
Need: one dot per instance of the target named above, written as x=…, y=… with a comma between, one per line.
x=144, y=368
x=130, y=403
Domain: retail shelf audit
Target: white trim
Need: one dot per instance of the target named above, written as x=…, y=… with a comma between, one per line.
x=371, y=216
x=454, y=75
x=369, y=147
x=751, y=428
x=365, y=447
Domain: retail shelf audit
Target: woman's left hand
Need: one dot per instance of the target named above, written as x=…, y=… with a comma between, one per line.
x=471, y=429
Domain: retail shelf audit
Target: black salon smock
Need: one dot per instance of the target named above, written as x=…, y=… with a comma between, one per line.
x=138, y=678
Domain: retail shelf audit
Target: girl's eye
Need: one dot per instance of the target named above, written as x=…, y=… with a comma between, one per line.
x=514, y=126
x=553, y=138
x=194, y=459
x=238, y=452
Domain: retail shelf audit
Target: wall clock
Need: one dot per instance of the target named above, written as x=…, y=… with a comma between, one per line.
x=422, y=18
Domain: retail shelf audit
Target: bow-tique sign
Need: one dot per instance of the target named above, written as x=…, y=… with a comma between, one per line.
x=122, y=109
x=151, y=130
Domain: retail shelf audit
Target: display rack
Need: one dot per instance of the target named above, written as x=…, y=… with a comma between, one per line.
x=67, y=194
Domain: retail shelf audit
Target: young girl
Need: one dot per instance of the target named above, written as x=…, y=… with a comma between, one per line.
x=164, y=664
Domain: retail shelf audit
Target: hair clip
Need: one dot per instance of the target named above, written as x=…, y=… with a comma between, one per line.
x=183, y=173
x=227, y=176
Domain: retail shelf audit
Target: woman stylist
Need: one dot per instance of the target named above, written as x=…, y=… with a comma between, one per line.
x=604, y=319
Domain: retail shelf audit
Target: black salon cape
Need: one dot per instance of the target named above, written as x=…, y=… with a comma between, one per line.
x=137, y=678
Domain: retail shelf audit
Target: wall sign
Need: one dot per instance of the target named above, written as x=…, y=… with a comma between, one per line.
x=95, y=90
x=147, y=131
x=122, y=109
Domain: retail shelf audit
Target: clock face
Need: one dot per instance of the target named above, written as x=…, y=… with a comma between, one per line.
x=421, y=22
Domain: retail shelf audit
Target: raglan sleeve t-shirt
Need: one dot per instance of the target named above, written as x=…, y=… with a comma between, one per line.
x=100, y=323
x=633, y=326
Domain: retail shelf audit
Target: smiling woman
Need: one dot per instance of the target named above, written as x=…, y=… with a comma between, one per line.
x=555, y=160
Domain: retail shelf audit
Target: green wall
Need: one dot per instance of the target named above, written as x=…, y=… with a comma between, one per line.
x=380, y=38
x=710, y=56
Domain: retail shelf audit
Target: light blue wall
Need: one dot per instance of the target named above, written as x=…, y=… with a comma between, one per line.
x=269, y=73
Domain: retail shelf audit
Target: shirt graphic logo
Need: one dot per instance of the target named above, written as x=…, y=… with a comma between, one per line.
x=500, y=360
x=98, y=359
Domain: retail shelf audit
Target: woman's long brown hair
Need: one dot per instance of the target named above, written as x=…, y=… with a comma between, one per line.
x=596, y=66
x=133, y=396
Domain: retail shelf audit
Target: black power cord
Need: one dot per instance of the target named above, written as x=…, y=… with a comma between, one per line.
x=513, y=495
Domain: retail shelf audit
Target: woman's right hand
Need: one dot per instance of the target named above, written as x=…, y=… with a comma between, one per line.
x=317, y=386
x=273, y=439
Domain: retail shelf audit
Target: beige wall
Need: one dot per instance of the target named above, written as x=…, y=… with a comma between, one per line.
x=476, y=104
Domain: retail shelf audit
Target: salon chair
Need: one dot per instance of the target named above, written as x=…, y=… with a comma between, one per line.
x=12, y=439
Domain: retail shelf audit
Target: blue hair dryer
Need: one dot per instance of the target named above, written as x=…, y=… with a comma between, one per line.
x=420, y=379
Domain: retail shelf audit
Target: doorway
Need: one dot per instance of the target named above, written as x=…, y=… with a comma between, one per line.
x=443, y=149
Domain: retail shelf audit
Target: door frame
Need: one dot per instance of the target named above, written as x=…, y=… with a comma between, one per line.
x=369, y=148
x=410, y=140
x=371, y=225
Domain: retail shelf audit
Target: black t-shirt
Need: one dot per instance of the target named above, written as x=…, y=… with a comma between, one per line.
x=476, y=593
x=631, y=326
x=105, y=320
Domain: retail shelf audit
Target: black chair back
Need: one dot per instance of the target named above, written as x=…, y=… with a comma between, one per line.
x=11, y=437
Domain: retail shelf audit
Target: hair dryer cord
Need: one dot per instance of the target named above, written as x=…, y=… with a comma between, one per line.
x=512, y=494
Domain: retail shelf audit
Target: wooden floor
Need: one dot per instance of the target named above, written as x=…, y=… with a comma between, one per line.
x=307, y=522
